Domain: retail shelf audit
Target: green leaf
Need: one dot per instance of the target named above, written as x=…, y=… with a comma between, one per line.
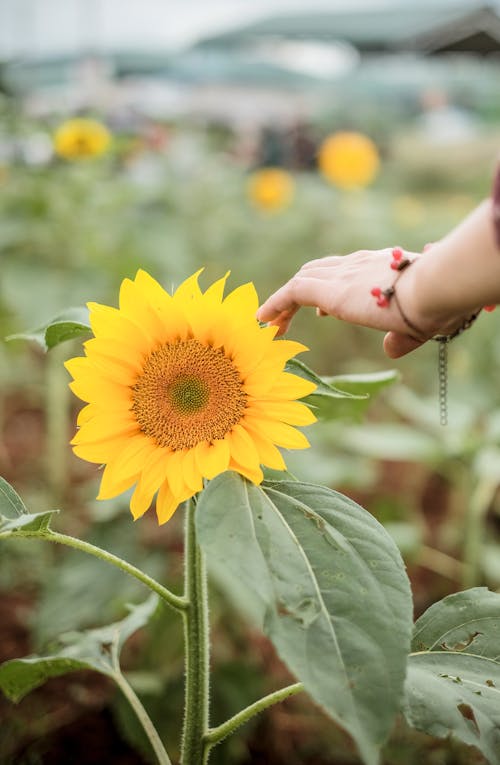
x=11, y=504
x=332, y=590
x=458, y=695
x=343, y=396
x=14, y=515
x=28, y=523
x=366, y=383
x=74, y=322
x=467, y=621
x=97, y=649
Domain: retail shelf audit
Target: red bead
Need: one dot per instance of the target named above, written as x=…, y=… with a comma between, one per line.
x=489, y=308
x=382, y=301
x=376, y=292
x=397, y=253
x=395, y=265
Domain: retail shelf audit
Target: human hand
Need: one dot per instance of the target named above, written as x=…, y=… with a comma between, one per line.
x=340, y=286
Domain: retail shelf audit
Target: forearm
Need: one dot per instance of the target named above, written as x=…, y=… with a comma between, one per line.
x=460, y=273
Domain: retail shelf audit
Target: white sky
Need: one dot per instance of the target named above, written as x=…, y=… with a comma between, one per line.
x=42, y=26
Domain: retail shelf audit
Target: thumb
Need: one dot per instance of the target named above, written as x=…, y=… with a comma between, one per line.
x=396, y=345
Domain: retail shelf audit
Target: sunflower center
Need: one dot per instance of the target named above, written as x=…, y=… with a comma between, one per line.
x=188, y=392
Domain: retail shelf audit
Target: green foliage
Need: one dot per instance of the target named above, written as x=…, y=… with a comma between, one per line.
x=456, y=694
x=14, y=515
x=343, y=396
x=453, y=682
x=328, y=581
x=71, y=324
x=465, y=621
x=97, y=649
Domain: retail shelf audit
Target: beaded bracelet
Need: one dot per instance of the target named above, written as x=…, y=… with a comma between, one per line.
x=383, y=299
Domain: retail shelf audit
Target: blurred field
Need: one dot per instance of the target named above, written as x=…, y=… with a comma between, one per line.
x=69, y=233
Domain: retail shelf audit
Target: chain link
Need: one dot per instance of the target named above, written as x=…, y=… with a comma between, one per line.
x=443, y=380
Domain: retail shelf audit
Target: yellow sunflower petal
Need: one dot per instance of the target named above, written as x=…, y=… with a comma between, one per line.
x=110, y=323
x=242, y=448
x=269, y=454
x=242, y=303
x=85, y=414
x=255, y=476
x=135, y=452
x=175, y=476
x=166, y=504
x=189, y=289
x=288, y=386
x=93, y=388
x=212, y=458
x=104, y=428
x=291, y=412
x=192, y=475
x=136, y=307
x=117, y=352
x=283, y=435
x=112, y=370
x=100, y=451
x=215, y=292
x=110, y=487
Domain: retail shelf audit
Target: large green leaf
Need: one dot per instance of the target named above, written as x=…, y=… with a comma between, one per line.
x=331, y=588
x=467, y=621
x=74, y=322
x=458, y=695
x=14, y=515
x=97, y=649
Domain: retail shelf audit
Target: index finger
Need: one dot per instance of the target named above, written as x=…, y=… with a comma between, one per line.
x=279, y=309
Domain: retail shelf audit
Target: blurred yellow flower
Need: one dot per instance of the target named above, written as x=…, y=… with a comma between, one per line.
x=182, y=387
x=271, y=188
x=349, y=160
x=81, y=138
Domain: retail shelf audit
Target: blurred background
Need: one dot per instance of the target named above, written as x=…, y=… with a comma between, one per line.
x=248, y=137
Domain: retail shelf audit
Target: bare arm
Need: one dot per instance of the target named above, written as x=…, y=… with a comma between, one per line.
x=454, y=278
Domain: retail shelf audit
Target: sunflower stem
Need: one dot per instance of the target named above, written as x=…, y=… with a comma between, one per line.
x=215, y=735
x=174, y=601
x=144, y=719
x=196, y=638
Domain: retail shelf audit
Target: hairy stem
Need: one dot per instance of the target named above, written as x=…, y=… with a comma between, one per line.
x=196, y=646
x=144, y=719
x=216, y=735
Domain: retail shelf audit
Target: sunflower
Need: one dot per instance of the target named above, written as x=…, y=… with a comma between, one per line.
x=182, y=387
x=81, y=138
x=349, y=160
x=270, y=188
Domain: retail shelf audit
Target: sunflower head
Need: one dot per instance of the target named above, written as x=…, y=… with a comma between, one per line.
x=181, y=387
x=81, y=138
x=271, y=189
x=348, y=160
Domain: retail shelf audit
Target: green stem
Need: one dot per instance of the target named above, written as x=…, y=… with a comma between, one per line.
x=197, y=647
x=478, y=506
x=143, y=718
x=216, y=735
x=176, y=602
